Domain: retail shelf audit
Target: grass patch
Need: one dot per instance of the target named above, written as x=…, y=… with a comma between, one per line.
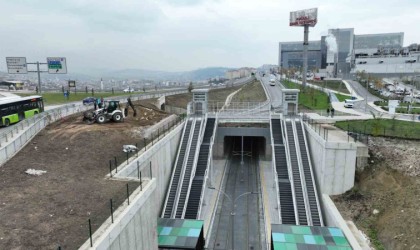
x=341, y=97
x=308, y=97
x=252, y=92
x=383, y=127
x=333, y=85
x=215, y=95
x=58, y=98
x=373, y=236
x=402, y=104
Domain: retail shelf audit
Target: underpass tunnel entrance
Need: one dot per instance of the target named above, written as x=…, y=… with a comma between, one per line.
x=254, y=145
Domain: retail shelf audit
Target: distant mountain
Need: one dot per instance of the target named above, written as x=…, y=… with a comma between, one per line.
x=156, y=75
x=194, y=75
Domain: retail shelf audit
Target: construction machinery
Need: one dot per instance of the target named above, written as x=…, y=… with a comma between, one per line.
x=109, y=111
x=129, y=104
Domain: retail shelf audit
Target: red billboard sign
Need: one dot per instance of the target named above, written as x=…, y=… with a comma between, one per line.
x=304, y=17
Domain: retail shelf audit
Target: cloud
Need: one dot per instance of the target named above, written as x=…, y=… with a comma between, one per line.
x=185, y=34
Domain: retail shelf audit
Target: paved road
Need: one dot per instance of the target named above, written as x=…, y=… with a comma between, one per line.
x=247, y=228
x=274, y=92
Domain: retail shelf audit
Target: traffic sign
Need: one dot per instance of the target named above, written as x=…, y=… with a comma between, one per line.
x=16, y=65
x=72, y=84
x=57, y=65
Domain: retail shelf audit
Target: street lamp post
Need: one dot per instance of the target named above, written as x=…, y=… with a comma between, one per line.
x=232, y=212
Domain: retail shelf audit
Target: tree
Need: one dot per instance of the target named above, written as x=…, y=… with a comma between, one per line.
x=190, y=87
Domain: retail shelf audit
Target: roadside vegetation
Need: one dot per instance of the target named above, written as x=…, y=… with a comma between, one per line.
x=312, y=98
x=252, y=92
x=383, y=127
x=331, y=84
x=215, y=95
x=58, y=98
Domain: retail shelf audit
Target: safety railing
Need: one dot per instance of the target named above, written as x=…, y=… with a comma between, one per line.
x=276, y=177
x=289, y=169
x=208, y=171
x=194, y=166
x=239, y=109
x=302, y=174
x=312, y=174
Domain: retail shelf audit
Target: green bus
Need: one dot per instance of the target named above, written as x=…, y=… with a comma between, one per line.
x=13, y=110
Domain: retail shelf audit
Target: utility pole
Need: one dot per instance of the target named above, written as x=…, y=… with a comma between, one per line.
x=305, y=53
x=38, y=71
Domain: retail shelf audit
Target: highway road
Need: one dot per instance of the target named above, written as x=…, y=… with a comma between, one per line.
x=248, y=215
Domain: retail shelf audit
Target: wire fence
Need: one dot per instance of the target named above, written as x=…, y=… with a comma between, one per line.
x=353, y=134
x=107, y=210
x=125, y=158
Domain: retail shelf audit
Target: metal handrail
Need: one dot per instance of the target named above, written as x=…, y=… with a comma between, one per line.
x=209, y=161
x=194, y=166
x=173, y=172
x=184, y=163
x=302, y=175
x=289, y=168
x=312, y=176
x=276, y=178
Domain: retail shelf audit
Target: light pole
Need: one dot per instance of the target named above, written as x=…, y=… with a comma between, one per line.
x=232, y=212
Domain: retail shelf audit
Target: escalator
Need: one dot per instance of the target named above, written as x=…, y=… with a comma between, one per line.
x=188, y=171
x=169, y=204
x=299, y=195
x=309, y=181
x=198, y=181
x=285, y=190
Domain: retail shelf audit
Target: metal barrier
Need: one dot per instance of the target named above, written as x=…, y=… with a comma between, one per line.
x=240, y=109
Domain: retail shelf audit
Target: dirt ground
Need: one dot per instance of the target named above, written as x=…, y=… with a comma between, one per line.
x=253, y=92
x=51, y=210
x=385, y=203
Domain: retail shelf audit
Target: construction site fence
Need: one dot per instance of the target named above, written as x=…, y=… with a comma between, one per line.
x=125, y=158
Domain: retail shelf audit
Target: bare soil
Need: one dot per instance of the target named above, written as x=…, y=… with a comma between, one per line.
x=385, y=202
x=51, y=210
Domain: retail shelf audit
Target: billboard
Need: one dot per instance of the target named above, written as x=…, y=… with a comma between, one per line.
x=72, y=84
x=304, y=17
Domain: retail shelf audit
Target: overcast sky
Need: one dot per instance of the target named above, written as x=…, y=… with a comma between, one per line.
x=177, y=35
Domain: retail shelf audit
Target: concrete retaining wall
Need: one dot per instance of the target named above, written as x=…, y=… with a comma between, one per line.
x=334, y=163
x=161, y=157
x=135, y=225
x=333, y=218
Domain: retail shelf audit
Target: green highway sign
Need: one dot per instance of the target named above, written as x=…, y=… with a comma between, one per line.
x=57, y=65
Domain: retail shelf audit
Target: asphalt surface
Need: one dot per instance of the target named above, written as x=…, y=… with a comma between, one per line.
x=362, y=106
x=274, y=92
x=247, y=229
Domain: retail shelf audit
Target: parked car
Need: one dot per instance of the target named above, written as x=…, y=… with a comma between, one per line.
x=128, y=90
x=89, y=100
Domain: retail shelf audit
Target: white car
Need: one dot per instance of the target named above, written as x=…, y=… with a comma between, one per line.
x=348, y=103
x=128, y=90
x=272, y=82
